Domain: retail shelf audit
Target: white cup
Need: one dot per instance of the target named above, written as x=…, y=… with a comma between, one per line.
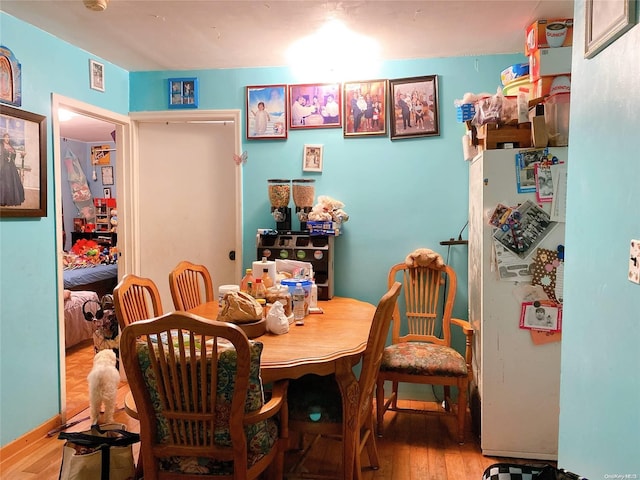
x=556, y=33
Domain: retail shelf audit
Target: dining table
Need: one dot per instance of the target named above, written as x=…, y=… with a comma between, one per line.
x=331, y=341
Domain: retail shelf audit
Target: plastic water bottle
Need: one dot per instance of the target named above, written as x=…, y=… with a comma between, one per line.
x=298, y=304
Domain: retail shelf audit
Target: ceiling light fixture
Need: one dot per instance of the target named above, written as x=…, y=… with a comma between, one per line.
x=96, y=5
x=334, y=53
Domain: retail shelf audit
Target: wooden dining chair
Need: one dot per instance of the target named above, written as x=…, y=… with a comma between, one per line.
x=199, y=399
x=189, y=283
x=420, y=350
x=315, y=402
x=136, y=298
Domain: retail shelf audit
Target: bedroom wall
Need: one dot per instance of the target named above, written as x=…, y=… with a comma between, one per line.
x=29, y=367
x=83, y=151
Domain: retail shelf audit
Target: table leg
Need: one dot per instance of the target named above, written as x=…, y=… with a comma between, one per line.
x=350, y=391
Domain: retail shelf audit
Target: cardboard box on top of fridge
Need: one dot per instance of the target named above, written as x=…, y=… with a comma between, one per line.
x=547, y=62
x=548, y=34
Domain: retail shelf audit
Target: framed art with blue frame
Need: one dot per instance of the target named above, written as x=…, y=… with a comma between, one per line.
x=413, y=107
x=266, y=112
x=183, y=92
x=365, y=106
x=315, y=106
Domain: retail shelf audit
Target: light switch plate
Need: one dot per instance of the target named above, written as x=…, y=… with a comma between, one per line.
x=634, y=262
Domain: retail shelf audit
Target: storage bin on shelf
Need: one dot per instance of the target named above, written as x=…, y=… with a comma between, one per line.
x=556, y=115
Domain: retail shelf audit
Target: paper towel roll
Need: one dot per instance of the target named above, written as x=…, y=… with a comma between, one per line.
x=259, y=266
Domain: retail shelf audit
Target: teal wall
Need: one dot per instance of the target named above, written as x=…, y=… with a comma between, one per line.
x=400, y=195
x=600, y=383
x=29, y=367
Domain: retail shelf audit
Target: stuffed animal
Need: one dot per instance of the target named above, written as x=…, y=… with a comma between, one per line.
x=423, y=257
x=328, y=209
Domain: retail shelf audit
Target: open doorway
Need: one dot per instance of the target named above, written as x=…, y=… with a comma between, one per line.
x=79, y=144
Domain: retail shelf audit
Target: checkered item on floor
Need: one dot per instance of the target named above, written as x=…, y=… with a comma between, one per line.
x=509, y=471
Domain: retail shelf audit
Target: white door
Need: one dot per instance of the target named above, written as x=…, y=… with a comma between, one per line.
x=188, y=199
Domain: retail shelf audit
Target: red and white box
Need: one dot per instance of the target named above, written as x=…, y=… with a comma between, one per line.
x=548, y=34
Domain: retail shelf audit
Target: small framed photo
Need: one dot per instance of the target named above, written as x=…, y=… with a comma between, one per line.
x=107, y=175
x=106, y=192
x=78, y=224
x=315, y=106
x=413, y=107
x=183, y=92
x=312, y=158
x=96, y=75
x=266, y=112
x=541, y=315
x=365, y=107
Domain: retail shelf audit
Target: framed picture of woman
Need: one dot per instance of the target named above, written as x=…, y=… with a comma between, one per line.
x=23, y=164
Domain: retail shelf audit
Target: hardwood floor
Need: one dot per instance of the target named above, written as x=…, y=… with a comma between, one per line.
x=414, y=447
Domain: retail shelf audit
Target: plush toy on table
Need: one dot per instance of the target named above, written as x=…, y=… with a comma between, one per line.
x=328, y=209
x=423, y=257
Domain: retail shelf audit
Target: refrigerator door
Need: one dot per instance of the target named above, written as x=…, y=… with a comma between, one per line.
x=518, y=382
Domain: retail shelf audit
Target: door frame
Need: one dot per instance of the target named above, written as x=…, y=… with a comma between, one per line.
x=230, y=118
x=123, y=143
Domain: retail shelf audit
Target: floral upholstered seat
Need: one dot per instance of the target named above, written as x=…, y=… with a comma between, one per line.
x=420, y=358
x=198, y=393
x=261, y=436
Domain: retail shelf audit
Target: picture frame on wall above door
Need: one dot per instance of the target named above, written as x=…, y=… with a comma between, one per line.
x=23, y=155
x=413, y=107
x=266, y=112
x=365, y=108
x=183, y=92
x=96, y=75
x=315, y=106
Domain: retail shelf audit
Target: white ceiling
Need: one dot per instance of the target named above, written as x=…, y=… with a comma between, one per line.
x=191, y=35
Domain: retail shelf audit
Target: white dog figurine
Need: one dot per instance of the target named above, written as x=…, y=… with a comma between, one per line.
x=103, y=385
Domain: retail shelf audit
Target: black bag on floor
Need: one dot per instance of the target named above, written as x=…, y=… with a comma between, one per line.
x=512, y=471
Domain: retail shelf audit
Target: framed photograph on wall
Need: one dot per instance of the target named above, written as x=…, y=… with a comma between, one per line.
x=413, y=107
x=107, y=175
x=315, y=106
x=183, y=92
x=266, y=112
x=23, y=156
x=365, y=107
x=312, y=158
x=605, y=22
x=96, y=75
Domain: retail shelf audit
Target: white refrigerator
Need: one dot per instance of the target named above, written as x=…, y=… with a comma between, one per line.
x=518, y=382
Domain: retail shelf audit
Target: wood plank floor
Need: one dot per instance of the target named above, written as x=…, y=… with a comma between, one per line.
x=414, y=446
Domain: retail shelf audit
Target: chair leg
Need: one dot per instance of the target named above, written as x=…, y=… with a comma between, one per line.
x=370, y=443
x=462, y=410
x=379, y=406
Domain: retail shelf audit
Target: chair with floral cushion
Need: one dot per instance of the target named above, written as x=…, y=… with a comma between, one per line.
x=420, y=349
x=190, y=284
x=315, y=402
x=198, y=394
